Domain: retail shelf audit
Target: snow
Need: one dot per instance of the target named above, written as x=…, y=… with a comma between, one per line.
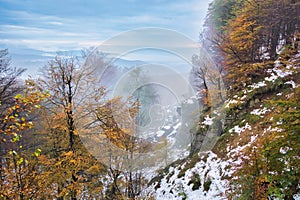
x=190, y=101
x=292, y=83
x=270, y=129
x=280, y=47
x=216, y=112
x=276, y=72
x=213, y=169
x=296, y=196
x=272, y=78
x=265, y=56
x=239, y=130
x=281, y=73
x=277, y=63
x=177, y=126
x=187, y=153
x=289, y=66
x=166, y=127
x=232, y=101
x=208, y=121
x=258, y=85
x=171, y=136
x=288, y=96
x=279, y=122
x=284, y=150
x=260, y=112
x=244, y=97
x=235, y=152
x=160, y=133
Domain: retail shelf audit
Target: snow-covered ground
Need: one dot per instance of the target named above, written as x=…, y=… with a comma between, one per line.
x=207, y=178
x=209, y=171
x=279, y=70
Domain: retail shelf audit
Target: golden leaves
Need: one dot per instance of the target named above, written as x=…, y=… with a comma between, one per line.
x=94, y=170
x=69, y=153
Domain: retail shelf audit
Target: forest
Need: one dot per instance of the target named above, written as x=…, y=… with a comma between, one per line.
x=54, y=126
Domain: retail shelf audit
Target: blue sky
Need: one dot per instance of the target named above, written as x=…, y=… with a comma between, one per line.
x=34, y=30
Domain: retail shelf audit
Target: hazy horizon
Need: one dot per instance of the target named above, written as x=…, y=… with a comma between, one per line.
x=33, y=31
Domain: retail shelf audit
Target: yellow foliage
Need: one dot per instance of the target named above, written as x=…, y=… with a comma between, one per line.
x=72, y=161
x=94, y=170
x=69, y=153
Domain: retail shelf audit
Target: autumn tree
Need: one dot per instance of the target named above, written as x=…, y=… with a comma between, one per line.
x=280, y=21
x=113, y=138
x=9, y=85
x=20, y=175
x=215, y=27
x=259, y=33
x=71, y=88
x=251, y=31
x=8, y=80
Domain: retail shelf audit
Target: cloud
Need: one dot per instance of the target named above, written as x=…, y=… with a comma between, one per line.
x=34, y=32
x=193, y=6
x=56, y=23
x=51, y=26
x=49, y=45
x=29, y=17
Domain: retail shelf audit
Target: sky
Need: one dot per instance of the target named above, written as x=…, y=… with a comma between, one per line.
x=35, y=30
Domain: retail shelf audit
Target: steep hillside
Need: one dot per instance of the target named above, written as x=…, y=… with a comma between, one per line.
x=255, y=45
x=258, y=153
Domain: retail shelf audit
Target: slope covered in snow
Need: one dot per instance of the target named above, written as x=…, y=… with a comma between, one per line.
x=218, y=174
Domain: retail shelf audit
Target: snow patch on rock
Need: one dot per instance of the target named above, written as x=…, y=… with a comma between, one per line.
x=207, y=120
